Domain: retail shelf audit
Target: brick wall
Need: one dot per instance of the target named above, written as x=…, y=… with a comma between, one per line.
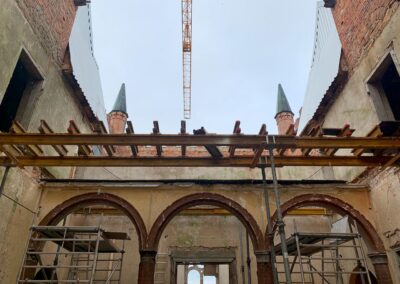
x=359, y=23
x=52, y=21
x=283, y=121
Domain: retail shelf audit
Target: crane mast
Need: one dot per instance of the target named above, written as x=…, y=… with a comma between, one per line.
x=187, y=56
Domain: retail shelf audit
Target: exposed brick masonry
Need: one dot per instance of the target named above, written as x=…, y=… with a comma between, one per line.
x=117, y=124
x=51, y=21
x=283, y=121
x=359, y=24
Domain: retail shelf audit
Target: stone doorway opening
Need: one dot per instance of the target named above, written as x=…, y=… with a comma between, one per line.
x=203, y=266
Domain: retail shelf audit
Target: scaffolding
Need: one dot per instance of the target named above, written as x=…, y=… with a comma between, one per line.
x=318, y=258
x=58, y=254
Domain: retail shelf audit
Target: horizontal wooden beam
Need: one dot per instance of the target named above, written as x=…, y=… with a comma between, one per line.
x=240, y=141
x=96, y=161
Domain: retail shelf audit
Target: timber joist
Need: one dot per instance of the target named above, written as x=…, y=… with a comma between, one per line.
x=234, y=150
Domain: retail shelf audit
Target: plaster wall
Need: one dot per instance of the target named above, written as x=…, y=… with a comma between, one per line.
x=150, y=199
x=55, y=103
x=355, y=107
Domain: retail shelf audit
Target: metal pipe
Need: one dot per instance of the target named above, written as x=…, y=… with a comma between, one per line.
x=241, y=252
x=300, y=260
x=269, y=225
x=279, y=221
x=248, y=259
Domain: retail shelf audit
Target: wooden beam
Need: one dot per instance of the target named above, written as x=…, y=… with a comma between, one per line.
x=130, y=130
x=263, y=130
x=97, y=161
x=156, y=131
x=344, y=132
x=242, y=141
x=44, y=128
x=314, y=132
x=257, y=156
x=392, y=161
x=83, y=149
x=374, y=133
x=236, y=130
x=100, y=128
x=291, y=132
x=212, y=149
x=35, y=150
x=12, y=152
x=183, y=132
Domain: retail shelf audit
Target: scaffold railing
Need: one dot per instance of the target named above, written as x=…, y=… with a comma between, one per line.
x=62, y=254
x=324, y=258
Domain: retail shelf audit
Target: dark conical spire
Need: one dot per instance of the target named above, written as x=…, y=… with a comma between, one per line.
x=282, y=104
x=120, y=102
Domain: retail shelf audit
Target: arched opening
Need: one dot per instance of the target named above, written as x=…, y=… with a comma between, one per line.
x=340, y=217
x=62, y=210
x=236, y=212
x=338, y=206
x=90, y=236
x=206, y=199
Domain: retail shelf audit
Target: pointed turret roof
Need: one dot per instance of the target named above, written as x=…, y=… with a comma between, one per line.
x=282, y=103
x=120, y=102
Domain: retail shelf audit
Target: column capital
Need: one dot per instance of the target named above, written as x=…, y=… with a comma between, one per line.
x=263, y=256
x=378, y=257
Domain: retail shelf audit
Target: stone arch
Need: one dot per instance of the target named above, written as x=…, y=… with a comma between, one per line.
x=94, y=198
x=206, y=199
x=338, y=206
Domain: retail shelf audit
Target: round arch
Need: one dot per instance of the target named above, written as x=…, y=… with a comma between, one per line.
x=206, y=199
x=87, y=199
x=336, y=205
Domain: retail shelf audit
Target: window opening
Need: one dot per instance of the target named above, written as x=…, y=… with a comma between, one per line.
x=391, y=85
x=18, y=101
x=383, y=86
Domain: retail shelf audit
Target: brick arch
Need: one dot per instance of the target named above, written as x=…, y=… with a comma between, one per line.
x=336, y=205
x=206, y=199
x=87, y=199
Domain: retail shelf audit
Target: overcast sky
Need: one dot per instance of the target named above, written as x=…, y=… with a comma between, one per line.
x=241, y=49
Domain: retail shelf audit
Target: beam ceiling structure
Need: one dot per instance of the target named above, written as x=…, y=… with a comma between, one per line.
x=22, y=149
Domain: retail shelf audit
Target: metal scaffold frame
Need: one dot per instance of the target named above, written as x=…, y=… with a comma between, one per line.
x=63, y=254
x=317, y=257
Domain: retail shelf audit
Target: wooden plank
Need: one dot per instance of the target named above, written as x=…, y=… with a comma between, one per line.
x=156, y=131
x=212, y=149
x=83, y=149
x=100, y=128
x=99, y=161
x=44, y=128
x=236, y=130
x=34, y=150
x=130, y=130
x=183, y=132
